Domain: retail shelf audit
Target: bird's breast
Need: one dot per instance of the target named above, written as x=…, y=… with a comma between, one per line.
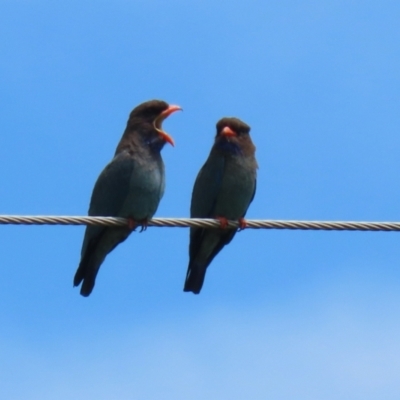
x=237, y=188
x=146, y=188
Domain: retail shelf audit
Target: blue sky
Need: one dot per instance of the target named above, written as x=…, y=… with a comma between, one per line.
x=282, y=315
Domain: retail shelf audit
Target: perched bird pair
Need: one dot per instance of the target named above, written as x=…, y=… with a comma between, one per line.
x=132, y=185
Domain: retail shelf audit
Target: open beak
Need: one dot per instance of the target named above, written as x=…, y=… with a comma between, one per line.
x=228, y=132
x=159, y=120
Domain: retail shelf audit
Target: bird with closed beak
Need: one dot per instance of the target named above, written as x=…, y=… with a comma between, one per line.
x=130, y=186
x=224, y=189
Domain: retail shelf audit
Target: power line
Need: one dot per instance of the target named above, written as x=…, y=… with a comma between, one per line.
x=201, y=223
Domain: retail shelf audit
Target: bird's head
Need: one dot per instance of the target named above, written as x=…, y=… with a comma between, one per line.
x=232, y=135
x=147, y=119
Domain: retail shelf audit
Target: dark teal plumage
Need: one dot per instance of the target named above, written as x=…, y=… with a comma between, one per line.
x=224, y=187
x=130, y=186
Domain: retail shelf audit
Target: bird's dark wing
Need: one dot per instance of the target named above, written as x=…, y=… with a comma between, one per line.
x=206, y=187
x=204, y=196
x=254, y=193
x=109, y=194
x=112, y=187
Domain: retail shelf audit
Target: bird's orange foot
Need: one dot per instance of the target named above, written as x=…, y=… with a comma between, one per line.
x=223, y=222
x=242, y=224
x=133, y=224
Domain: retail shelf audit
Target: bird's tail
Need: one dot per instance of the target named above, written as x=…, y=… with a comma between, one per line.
x=195, y=277
x=86, y=272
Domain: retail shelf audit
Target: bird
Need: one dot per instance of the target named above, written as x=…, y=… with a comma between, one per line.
x=224, y=189
x=130, y=186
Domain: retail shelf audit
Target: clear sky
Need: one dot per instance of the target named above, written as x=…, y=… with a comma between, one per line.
x=282, y=315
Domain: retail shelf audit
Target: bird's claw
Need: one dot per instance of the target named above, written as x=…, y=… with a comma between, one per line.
x=144, y=223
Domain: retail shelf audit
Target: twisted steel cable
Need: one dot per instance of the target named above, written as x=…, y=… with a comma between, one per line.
x=201, y=223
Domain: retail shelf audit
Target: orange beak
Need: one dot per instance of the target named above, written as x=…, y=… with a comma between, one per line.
x=159, y=120
x=228, y=132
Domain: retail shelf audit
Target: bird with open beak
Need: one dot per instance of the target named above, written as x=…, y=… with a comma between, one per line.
x=224, y=189
x=130, y=186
